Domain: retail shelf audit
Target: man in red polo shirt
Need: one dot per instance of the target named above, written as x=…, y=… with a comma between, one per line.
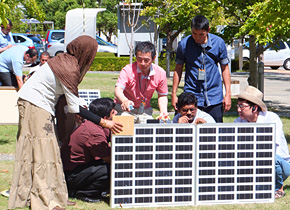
x=137, y=83
x=86, y=159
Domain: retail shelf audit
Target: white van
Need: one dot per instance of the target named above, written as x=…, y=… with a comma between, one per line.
x=275, y=57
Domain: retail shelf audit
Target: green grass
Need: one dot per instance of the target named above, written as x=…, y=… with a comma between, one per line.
x=106, y=83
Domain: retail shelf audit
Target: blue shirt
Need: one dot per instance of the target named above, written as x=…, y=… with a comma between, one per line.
x=6, y=39
x=208, y=91
x=11, y=60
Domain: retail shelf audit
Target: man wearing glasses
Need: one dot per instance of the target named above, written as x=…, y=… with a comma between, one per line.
x=251, y=108
x=188, y=111
x=6, y=40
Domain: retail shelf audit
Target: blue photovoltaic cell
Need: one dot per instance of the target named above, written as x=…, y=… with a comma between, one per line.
x=169, y=165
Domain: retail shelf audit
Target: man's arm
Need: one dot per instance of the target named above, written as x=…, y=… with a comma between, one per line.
x=125, y=102
x=227, y=82
x=163, y=102
x=19, y=81
x=5, y=48
x=176, y=80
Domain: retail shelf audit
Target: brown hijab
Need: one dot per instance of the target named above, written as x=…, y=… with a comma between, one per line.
x=71, y=67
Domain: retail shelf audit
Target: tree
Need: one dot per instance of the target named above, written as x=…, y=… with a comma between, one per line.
x=107, y=21
x=55, y=10
x=172, y=17
x=265, y=22
x=130, y=12
x=16, y=9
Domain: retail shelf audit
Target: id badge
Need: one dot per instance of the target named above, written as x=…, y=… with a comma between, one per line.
x=201, y=74
x=141, y=108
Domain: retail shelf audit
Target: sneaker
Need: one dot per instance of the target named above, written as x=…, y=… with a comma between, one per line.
x=5, y=193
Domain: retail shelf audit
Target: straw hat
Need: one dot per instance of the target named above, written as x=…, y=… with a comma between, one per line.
x=253, y=95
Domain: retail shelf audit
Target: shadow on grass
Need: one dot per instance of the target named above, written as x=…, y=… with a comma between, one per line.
x=4, y=142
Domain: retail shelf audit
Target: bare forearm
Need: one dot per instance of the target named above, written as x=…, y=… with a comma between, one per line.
x=19, y=81
x=176, y=78
x=119, y=93
x=163, y=103
x=227, y=79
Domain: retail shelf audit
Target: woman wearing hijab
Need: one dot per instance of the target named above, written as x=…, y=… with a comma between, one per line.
x=38, y=179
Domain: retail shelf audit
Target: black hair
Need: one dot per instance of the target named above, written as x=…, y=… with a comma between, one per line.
x=250, y=103
x=200, y=22
x=145, y=47
x=186, y=98
x=9, y=23
x=102, y=107
x=45, y=54
x=32, y=52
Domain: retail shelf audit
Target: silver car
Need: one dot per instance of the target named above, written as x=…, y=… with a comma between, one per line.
x=55, y=48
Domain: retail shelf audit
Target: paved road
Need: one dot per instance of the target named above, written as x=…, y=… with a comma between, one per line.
x=276, y=88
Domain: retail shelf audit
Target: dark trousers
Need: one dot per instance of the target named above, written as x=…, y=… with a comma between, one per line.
x=8, y=79
x=216, y=111
x=88, y=180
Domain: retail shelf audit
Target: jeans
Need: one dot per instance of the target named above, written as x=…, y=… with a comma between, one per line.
x=282, y=171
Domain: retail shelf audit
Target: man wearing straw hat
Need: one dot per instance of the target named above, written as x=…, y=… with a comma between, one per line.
x=251, y=108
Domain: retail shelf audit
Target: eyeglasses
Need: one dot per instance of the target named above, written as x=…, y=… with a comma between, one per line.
x=191, y=109
x=242, y=106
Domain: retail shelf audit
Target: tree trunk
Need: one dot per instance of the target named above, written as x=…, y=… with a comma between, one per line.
x=132, y=45
x=168, y=52
x=253, y=77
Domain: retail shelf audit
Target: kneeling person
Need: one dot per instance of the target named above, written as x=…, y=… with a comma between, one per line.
x=188, y=111
x=86, y=159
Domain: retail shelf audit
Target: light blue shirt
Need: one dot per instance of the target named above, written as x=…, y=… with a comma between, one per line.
x=6, y=39
x=11, y=60
x=199, y=114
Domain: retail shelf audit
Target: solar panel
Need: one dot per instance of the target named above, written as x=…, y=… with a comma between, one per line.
x=88, y=95
x=173, y=165
x=235, y=163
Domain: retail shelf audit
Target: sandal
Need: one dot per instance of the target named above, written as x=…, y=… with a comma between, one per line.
x=279, y=194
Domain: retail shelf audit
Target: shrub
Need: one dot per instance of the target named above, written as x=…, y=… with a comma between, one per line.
x=117, y=63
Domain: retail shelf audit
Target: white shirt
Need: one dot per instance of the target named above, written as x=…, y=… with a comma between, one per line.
x=281, y=143
x=199, y=114
x=43, y=89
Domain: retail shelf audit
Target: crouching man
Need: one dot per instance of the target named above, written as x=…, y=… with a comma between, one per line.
x=251, y=108
x=86, y=159
x=188, y=111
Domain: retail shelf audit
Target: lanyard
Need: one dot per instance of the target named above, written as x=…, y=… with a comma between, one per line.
x=140, y=84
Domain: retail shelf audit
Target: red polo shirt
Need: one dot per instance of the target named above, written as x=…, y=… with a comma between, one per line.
x=87, y=143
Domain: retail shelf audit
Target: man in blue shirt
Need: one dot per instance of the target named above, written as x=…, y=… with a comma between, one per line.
x=201, y=52
x=11, y=62
x=6, y=39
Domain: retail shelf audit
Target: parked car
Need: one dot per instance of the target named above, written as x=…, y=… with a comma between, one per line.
x=29, y=40
x=55, y=48
x=275, y=57
x=106, y=46
x=53, y=36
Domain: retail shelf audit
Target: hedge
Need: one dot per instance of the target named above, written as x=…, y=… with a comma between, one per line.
x=117, y=63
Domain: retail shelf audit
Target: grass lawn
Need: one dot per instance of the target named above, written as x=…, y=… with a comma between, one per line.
x=106, y=82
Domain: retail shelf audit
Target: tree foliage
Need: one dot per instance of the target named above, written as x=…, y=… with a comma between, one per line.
x=172, y=17
x=264, y=22
x=107, y=21
x=19, y=9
